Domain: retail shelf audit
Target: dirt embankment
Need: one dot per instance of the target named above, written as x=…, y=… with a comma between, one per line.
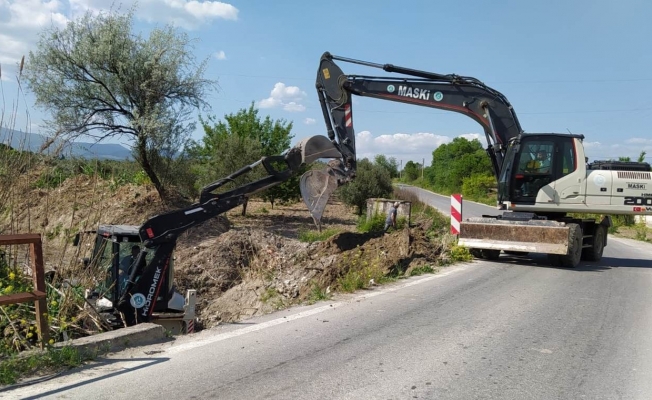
x=246, y=272
x=241, y=266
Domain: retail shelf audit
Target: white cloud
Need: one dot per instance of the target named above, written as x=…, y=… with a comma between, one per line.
x=639, y=141
x=183, y=13
x=20, y=23
x=631, y=148
x=403, y=146
x=22, y=20
x=287, y=97
x=591, y=144
x=220, y=55
x=208, y=9
x=309, y=121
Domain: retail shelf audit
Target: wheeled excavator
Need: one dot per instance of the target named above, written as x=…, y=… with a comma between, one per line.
x=542, y=178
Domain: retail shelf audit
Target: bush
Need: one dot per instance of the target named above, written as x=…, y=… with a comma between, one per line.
x=478, y=187
x=371, y=181
x=374, y=224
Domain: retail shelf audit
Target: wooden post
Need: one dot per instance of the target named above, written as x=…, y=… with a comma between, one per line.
x=40, y=305
x=38, y=295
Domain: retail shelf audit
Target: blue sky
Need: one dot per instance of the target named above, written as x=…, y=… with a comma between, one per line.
x=579, y=66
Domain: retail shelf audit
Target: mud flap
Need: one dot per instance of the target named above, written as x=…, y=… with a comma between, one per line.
x=539, y=236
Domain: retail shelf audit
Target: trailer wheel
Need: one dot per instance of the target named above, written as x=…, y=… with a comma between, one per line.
x=594, y=253
x=572, y=258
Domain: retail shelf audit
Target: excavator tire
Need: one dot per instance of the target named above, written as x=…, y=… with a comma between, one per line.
x=572, y=258
x=516, y=253
x=477, y=253
x=594, y=253
x=490, y=254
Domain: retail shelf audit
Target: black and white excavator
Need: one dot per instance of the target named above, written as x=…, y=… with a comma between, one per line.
x=543, y=179
x=545, y=183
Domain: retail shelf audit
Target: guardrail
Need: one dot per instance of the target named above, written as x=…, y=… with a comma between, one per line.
x=38, y=295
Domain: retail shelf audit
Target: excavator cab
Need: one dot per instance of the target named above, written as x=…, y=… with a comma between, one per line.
x=533, y=163
x=120, y=254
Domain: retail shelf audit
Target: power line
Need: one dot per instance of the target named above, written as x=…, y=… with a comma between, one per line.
x=600, y=80
x=358, y=110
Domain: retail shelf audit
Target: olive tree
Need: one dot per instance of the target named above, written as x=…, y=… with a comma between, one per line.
x=97, y=79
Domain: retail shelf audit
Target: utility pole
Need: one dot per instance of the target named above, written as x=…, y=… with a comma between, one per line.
x=423, y=164
x=400, y=172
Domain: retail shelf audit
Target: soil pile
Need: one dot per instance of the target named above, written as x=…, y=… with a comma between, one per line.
x=246, y=272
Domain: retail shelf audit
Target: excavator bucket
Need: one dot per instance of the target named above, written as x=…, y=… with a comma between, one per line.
x=316, y=188
x=318, y=185
x=536, y=236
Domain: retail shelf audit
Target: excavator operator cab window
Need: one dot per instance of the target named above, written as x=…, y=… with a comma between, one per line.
x=568, y=162
x=535, y=166
x=539, y=161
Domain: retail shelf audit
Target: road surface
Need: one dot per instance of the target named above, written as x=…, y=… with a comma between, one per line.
x=515, y=329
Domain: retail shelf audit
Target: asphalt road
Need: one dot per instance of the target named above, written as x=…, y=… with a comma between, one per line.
x=515, y=329
x=443, y=203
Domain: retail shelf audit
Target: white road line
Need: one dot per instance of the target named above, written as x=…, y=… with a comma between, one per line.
x=268, y=324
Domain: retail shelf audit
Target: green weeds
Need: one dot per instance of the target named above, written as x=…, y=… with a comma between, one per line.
x=311, y=236
x=52, y=359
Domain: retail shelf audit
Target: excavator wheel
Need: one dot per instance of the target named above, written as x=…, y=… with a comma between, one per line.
x=594, y=253
x=476, y=253
x=572, y=258
x=516, y=253
x=485, y=254
x=491, y=254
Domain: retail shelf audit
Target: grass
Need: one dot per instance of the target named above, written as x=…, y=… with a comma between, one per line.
x=622, y=225
x=425, y=269
x=270, y=293
x=460, y=254
x=311, y=236
x=318, y=294
x=51, y=360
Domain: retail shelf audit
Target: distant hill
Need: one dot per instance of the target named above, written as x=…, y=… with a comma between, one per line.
x=33, y=142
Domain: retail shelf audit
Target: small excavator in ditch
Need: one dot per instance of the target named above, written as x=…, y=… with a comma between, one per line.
x=542, y=178
x=139, y=262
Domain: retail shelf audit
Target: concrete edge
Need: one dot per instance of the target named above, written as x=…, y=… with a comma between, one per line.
x=119, y=339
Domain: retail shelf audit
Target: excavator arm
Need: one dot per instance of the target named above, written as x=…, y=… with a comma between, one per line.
x=464, y=95
x=160, y=233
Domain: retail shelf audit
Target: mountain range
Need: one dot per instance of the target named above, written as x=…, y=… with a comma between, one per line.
x=33, y=141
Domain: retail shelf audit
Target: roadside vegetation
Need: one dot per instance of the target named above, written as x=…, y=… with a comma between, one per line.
x=93, y=62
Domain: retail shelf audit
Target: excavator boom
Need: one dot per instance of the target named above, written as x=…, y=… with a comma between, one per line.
x=464, y=95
